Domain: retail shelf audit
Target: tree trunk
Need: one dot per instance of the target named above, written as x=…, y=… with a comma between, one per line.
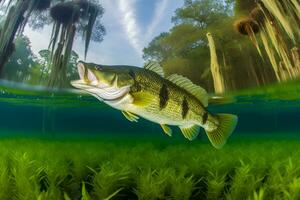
x=12, y=23
x=61, y=57
x=215, y=67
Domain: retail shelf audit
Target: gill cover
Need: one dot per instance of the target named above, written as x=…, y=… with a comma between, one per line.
x=110, y=75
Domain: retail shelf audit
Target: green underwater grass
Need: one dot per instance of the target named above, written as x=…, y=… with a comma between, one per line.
x=110, y=169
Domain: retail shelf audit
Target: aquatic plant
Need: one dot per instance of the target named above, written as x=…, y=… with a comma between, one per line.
x=106, y=169
x=151, y=184
x=25, y=176
x=216, y=183
x=5, y=178
x=110, y=180
x=182, y=185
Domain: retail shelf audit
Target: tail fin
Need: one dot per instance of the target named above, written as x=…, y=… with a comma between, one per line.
x=227, y=125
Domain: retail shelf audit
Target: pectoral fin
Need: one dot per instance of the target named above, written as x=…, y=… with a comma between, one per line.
x=166, y=129
x=141, y=99
x=131, y=117
x=190, y=132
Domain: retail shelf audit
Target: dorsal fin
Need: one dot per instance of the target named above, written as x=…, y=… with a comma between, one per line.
x=155, y=67
x=190, y=87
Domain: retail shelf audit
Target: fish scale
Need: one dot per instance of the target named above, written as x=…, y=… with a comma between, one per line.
x=173, y=105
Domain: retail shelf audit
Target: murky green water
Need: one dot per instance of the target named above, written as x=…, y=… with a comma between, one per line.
x=65, y=144
x=28, y=110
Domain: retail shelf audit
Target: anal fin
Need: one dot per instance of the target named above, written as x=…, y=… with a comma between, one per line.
x=131, y=117
x=190, y=132
x=167, y=129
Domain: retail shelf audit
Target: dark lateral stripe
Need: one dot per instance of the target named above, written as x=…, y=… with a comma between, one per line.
x=185, y=108
x=204, y=117
x=163, y=96
x=136, y=86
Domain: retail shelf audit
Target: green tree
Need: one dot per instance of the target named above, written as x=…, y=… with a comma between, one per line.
x=203, y=13
x=22, y=59
x=24, y=66
x=41, y=70
x=184, y=49
x=156, y=50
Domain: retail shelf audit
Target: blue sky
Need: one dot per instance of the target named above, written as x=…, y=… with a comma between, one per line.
x=130, y=26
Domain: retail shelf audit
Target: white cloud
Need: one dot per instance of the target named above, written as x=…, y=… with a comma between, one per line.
x=39, y=38
x=159, y=12
x=126, y=34
x=138, y=38
x=129, y=22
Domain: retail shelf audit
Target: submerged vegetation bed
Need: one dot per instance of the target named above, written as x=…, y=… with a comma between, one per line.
x=102, y=169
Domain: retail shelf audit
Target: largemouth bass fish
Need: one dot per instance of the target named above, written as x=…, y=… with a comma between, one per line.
x=146, y=92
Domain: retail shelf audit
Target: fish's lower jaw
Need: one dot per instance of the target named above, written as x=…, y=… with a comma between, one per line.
x=122, y=104
x=108, y=94
x=79, y=84
x=76, y=82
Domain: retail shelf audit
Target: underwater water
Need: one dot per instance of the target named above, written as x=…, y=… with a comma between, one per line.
x=68, y=145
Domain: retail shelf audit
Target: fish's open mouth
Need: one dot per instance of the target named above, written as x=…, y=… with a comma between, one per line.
x=87, y=78
x=91, y=84
x=80, y=84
